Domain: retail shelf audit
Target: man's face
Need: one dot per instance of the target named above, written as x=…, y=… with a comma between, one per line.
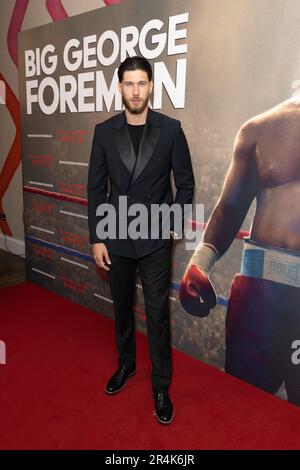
x=136, y=90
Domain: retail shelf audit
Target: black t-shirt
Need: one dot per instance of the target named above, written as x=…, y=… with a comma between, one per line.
x=136, y=133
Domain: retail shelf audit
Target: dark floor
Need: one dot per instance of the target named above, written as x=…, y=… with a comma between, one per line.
x=12, y=269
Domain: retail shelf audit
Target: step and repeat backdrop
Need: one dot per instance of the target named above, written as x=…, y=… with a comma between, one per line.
x=216, y=64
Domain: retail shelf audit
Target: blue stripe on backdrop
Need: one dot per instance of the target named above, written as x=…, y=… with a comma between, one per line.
x=62, y=249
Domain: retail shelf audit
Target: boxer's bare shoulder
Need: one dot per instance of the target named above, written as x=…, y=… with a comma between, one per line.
x=277, y=216
x=277, y=134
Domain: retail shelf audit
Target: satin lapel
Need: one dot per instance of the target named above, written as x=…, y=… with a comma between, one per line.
x=148, y=142
x=125, y=147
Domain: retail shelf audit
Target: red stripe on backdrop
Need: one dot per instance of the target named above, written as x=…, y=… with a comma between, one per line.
x=54, y=195
x=112, y=2
x=43, y=192
x=13, y=158
x=200, y=225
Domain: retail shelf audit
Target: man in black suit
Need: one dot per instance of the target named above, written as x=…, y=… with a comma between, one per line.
x=136, y=151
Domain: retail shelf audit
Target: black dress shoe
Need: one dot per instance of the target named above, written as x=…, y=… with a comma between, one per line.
x=117, y=381
x=163, y=406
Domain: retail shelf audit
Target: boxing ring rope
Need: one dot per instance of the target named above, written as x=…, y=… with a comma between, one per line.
x=222, y=301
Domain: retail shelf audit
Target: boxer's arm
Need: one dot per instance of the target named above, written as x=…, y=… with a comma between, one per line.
x=239, y=190
x=196, y=292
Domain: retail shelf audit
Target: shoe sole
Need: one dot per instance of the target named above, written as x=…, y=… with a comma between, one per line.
x=119, y=389
x=163, y=422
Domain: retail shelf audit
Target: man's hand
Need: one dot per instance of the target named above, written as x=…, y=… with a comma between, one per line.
x=101, y=256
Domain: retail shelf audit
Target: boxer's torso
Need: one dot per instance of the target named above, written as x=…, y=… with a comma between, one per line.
x=277, y=217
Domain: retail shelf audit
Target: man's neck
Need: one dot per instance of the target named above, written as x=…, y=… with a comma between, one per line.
x=136, y=119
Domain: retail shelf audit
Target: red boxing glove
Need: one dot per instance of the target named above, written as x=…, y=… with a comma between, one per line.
x=196, y=292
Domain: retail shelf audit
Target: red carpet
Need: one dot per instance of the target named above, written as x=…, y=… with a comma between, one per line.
x=59, y=356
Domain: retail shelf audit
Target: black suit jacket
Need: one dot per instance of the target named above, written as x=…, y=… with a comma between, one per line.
x=142, y=179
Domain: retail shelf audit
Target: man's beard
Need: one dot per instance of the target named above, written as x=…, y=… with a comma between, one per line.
x=136, y=109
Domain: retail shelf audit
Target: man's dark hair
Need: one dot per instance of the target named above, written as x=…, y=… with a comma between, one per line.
x=135, y=63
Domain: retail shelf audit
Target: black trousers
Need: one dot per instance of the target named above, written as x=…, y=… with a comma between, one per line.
x=155, y=274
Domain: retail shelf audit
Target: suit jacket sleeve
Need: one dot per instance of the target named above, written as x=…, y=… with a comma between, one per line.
x=182, y=170
x=97, y=184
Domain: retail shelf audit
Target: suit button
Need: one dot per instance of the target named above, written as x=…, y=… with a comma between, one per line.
x=148, y=196
x=128, y=197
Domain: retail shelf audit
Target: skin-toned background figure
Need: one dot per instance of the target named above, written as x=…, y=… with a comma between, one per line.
x=263, y=316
